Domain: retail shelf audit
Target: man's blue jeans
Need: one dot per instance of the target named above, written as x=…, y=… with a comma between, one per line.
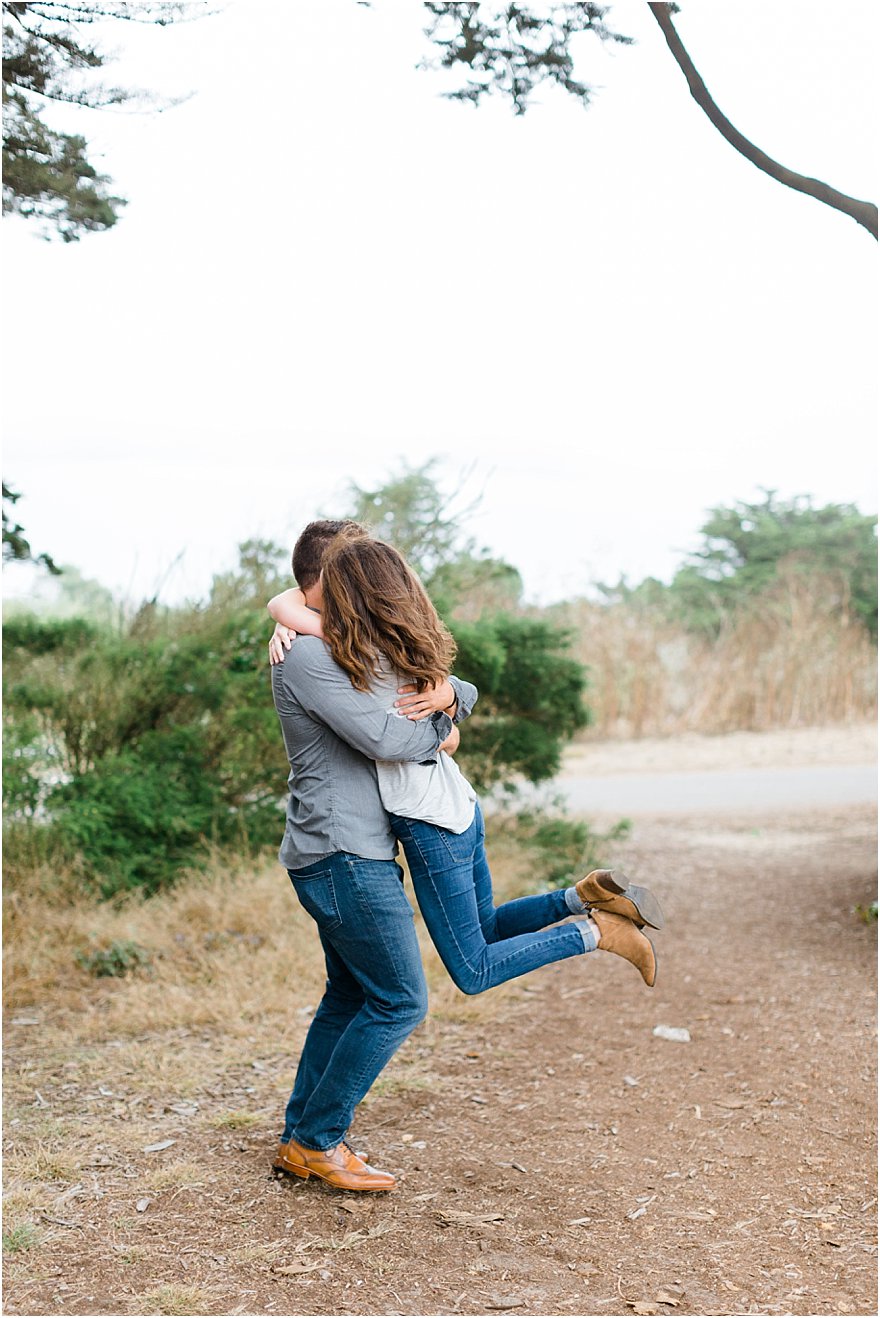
x=375, y=994
x=480, y=944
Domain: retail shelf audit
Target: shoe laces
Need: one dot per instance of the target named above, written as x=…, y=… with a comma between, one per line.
x=360, y=1157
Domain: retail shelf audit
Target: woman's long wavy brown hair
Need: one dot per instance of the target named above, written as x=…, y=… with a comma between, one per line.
x=375, y=607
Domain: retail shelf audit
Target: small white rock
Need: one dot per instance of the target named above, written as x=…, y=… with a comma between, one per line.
x=674, y=1033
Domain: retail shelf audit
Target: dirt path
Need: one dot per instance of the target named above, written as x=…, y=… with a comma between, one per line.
x=555, y=1157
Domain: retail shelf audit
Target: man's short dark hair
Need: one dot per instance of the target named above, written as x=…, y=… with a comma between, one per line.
x=308, y=552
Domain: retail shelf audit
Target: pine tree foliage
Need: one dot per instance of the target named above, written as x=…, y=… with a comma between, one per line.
x=49, y=57
x=512, y=50
x=16, y=548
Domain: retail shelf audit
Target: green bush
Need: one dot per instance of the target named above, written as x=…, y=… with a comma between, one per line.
x=558, y=848
x=23, y=760
x=116, y=961
x=159, y=741
x=139, y=815
x=531, y=698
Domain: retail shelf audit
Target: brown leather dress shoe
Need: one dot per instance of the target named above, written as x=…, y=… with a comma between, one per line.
x=611, y=890
x=340, y=1167
x=621, y=936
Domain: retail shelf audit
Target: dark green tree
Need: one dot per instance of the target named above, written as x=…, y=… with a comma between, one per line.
x=746, y=545
x=16, y=548
x=531, y=698
x=511, y=49
x=48, y=55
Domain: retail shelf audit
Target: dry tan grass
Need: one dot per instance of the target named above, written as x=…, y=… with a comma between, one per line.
x=789, y=661
x=174, y=1175
x=236, y=1120
x=175, y=1047
x=258, y=1252
x=173, y=1299
x=228, y=950
x=40, y=1162
x=205, y=937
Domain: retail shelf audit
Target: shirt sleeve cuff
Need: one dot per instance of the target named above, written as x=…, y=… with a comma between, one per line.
x=466, y=697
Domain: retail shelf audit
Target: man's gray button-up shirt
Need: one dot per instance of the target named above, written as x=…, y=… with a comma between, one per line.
x=333, y=735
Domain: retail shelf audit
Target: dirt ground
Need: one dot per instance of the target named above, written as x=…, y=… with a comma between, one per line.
x=554, y=1156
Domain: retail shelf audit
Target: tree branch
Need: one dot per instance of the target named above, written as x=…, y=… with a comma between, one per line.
x=863, y=212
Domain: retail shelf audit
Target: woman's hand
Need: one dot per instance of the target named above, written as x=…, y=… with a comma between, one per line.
x=282, y=639
x=419, y=704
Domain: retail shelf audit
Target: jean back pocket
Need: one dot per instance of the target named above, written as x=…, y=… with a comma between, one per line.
x=317, y=896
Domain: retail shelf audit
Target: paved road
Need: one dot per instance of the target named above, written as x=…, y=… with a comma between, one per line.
x=718, y=791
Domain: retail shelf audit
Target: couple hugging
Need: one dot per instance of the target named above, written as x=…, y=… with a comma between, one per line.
x=369, y=713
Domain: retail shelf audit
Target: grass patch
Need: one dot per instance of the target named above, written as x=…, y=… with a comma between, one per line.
x=177, y=1175
x=387, y=1085
x=42, y=1164
x=20, y=1238
x=173, y=1300
x=237, y=1120
x=258, y=1252
x=116, y=961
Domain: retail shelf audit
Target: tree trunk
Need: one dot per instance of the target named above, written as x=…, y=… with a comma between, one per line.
x=863, y=212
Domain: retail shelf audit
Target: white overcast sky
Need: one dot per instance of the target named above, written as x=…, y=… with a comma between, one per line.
x=607, y=316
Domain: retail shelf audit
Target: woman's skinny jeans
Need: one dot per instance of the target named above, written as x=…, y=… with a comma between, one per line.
x=480, y=944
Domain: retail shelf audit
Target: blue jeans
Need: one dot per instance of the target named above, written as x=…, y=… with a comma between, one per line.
x=374, y=997
x=480, y=944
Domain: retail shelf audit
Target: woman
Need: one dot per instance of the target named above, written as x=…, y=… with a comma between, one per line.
x=382, y=629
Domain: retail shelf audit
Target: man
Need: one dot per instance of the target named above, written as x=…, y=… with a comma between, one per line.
x=340, y=853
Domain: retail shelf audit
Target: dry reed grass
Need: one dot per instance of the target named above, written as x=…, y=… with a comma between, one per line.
x=204, y=938
x=788, y=661
x=229, y=948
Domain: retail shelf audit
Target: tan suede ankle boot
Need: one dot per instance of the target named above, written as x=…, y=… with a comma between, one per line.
x=621, y=936
x=611, y=890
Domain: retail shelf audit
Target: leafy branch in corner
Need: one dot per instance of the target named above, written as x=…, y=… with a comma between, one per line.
x=48, y=177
